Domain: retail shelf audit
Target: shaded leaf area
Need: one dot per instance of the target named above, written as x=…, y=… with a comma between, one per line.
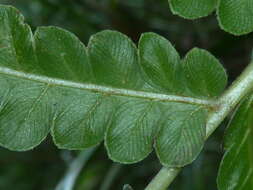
x=235, y=16
x=192, y=9
x=51, y=82
x=236, y=169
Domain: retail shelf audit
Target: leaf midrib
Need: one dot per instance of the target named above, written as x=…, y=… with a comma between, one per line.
x=105, y=89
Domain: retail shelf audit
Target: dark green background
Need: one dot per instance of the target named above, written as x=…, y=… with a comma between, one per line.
x=43, y=167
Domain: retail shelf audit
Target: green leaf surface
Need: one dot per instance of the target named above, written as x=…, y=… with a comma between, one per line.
x=205, y=75
x=50, y=82
x=181, y=134
x=114, y=60
x=60, y=54
x=236, y=169
x=161, y=63
x=192, y=9
x=236, y=16
x=130, y=135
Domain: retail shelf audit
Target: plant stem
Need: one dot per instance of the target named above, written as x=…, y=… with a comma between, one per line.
x=242, y=86
x=225, y=104
x=111, y=175
x=68, y=181
x=163, y=179
x=105, y=89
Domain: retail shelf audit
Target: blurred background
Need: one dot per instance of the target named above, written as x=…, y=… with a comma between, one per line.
x=44, y=167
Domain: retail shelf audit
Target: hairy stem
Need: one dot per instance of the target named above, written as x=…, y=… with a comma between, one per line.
x=225, y=104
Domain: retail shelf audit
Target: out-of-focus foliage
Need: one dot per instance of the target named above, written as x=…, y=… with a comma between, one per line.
x=236, y=167
x=42, y=168
x=234, y=17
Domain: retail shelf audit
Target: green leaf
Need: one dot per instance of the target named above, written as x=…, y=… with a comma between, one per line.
x=192, y=9
x=205, y=75
x=130, y=135
x=236, y=169
x=79, y=117
x=114, y=60
x=161, y=63
x=65, y=55
x=236, y=16
x=182, y=134
x=51, y=82
x=19, y=100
